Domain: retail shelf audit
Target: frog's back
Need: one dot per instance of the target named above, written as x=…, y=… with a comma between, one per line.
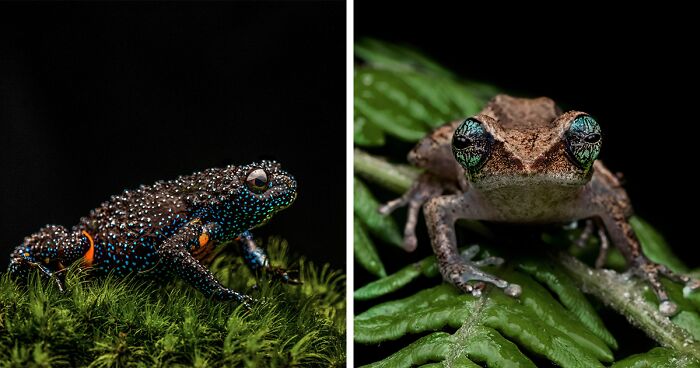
x=127, y=229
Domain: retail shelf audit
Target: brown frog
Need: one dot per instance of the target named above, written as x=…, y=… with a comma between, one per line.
x=520, y=161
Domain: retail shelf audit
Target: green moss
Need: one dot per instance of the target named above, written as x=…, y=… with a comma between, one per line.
x=118, y=322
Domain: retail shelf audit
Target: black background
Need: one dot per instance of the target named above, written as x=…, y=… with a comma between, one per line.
x=97, y=98
x=634, y=70
x=630, y=70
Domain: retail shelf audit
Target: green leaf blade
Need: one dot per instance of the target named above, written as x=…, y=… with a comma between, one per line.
x=570, y=296
x=430, y=348
x=655, y=246
x=364, y=251
x=366, y=208
x=485, y=345
x=657, y=358
x=540, y=302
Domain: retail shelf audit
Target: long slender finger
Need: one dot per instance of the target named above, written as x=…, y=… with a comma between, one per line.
x=470, y=252
x=604, y=247
x=410, y=242
x=393, y=204
x=585, y=234
x=650, y=272
x=490, y=261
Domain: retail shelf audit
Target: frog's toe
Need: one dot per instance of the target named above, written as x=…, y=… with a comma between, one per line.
x=470, y=279
x=389, y=207
x=652, y=272
x=410, y=241
x=668, y=308
x=285, y=276
x=691, y=286
x=489, y=261
x=60, y=283
x=471, y=252
x=677, y=277
x=513, y=290
x=246, y=301
x=586, y=233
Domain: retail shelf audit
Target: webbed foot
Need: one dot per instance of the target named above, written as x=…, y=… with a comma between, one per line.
x=284, y=276
x=224, y=294
x=21, y=266
x=652, y=272
x=246, y=301
x=462, y=271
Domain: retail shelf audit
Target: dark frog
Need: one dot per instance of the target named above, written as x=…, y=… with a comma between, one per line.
x=168, y=229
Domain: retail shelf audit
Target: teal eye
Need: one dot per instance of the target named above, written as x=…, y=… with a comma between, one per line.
x=471, y=145
x=583, y=140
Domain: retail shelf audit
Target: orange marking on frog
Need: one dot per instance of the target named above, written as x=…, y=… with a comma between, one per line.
x=204, y=251
x=203, y=239
x=90, y=254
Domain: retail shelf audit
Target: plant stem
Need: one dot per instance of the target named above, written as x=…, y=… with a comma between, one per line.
x=397, y=178
x=624, y=295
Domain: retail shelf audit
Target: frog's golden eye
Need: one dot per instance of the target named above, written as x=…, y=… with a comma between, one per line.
x=257, y=180
x=583, y=141
x=471, y=145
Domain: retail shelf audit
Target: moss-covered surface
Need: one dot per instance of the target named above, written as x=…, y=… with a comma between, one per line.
x=129, y=322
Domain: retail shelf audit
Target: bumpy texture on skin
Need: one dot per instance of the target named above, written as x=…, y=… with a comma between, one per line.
x=169, y=228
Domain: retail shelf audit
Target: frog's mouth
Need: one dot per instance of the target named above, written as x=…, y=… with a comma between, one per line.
x=281, y=192
x=526, y=182
x=279, y=202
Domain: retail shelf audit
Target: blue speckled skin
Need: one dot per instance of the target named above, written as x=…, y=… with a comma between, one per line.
x=168, y=228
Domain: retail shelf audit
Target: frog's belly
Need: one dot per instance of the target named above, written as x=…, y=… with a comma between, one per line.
x=539, y=204
x=123, y=258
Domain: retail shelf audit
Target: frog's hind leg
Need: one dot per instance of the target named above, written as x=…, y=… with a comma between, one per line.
x=459, y=269
x=20, y=267
x=48, y=250
x=424, y=188
x=175, y=256
x=622, y=234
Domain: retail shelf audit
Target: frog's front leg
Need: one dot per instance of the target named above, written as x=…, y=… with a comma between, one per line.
x=427, y=186
x=176, y=258
x=256, y=259
x=441, y=214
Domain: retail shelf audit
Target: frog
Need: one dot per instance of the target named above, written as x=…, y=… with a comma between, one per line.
x=521, y=161
x=168, y=230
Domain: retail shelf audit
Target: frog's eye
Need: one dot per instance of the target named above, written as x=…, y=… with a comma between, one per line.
x=471, y=145
x=583, y=140
x=257, y=180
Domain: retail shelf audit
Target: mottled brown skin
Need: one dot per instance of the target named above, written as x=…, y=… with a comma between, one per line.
x=528, y=178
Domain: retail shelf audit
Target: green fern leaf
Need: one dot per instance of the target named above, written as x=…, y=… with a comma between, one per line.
x=657, y=358
x=515, y=319
x=365, y=252
x=367, y=210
